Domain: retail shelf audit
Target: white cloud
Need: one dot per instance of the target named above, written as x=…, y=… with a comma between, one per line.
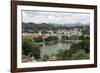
x=55, y=17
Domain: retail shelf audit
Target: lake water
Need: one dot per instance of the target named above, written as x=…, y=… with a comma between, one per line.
x=53, y=49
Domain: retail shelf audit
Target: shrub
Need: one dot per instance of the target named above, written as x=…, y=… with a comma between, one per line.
x=45, y=58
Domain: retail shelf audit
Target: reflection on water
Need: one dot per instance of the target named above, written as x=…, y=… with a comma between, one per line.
x=53, y=48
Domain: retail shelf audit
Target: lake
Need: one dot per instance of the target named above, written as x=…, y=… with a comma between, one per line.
x=53, y=48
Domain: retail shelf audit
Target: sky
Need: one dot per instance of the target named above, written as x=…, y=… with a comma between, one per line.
x=55, y=17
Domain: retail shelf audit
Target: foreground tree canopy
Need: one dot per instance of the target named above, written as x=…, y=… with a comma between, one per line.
x=30, y=48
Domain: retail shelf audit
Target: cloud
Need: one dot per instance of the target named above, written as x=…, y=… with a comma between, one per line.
x=55, y=17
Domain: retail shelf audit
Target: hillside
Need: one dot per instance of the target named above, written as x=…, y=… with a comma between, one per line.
x=34, y=28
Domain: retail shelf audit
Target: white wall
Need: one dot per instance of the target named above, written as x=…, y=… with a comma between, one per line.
x=5, y=37
x=89, y=2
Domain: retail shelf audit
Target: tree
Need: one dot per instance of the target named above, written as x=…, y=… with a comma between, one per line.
x=84, y=45
x=51, y=38
x=38, y=39
x=65, y=54
x=86, y=40
x=75, y=47
x=26, y=47
x=35, y=51
x=65, y=37
x=81, y=54
x=30, y=48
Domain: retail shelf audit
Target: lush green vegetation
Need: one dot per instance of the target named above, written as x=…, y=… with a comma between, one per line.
x=44, y=27
x=65, y=54
x=30, y=48
x=51, y=38
x=74, y=53
x=39, y=39
x=77, y=51
x=65, y=38
x=45, y=58
x=80, y=55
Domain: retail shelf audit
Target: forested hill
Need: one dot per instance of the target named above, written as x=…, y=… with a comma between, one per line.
x=33, y=27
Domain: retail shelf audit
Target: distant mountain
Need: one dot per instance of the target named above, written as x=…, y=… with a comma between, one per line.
x=67, y=24
x=33, y=27
x=71, y=24
x=79, y=24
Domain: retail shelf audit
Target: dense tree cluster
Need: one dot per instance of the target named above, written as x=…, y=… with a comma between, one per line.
x=30, y=48
x=51, y=38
